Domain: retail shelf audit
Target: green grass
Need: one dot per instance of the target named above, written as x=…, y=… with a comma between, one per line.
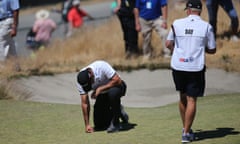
x=217, y=122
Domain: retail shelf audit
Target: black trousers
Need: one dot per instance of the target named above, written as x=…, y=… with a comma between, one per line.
x=130, y=35
x=107, y=107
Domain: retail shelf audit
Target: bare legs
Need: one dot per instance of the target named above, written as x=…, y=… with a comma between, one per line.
x=187, y=108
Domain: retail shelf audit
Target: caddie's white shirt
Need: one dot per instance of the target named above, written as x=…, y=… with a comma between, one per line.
x=192, y=35
x=102, y=71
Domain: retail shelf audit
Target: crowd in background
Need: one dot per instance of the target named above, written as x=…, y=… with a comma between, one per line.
x=145, y=16
x=72, y=18
x=134, y=15
x=137, y=16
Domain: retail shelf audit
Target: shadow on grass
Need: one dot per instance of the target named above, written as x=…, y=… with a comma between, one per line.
x=210, y=134
x=124, y=127
x=127, y=126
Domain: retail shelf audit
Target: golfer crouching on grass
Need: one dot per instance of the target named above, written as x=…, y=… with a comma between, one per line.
x=107, y=88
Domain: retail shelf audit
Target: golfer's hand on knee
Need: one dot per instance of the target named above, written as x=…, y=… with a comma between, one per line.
x=96, y=93
x=93, y=95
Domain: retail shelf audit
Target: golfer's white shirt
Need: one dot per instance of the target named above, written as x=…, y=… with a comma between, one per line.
x=102, y=71
x=192, y=35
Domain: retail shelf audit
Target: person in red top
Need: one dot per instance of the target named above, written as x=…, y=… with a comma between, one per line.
x=75, y=16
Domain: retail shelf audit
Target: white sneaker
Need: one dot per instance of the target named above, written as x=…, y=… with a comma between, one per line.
x=167, y=56
x=234, y=38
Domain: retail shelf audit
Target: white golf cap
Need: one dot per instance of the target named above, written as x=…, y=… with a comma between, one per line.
x=76, y=2
x=42, y=14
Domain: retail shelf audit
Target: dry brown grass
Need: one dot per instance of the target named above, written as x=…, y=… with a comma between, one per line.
x=34, y=9
x=10, y=90
x=106, y=42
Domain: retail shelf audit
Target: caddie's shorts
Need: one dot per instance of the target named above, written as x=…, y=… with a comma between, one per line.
x=191, y=83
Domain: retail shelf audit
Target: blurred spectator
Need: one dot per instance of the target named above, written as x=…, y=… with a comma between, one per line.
x=9, y=11
x=126, y=14
x=113, y=6
x=75, y=17
x=43, y=27
x=30, y=39
x=227, y=5
x=152, y=15
x=66, y=6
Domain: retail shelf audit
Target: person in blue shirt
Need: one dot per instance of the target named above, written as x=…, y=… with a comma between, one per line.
x=9, y=11
x=150, y=15
x=227, y=5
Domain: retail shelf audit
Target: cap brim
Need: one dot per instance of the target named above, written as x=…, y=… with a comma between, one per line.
x=87, y=87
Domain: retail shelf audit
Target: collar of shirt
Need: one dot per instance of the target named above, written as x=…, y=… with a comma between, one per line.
x=194, y=16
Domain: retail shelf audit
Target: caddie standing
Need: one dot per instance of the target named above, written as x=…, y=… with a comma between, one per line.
x=189, y=39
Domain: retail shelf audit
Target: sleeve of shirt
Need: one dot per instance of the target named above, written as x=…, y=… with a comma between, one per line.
x=170, y=35
x=137, y=4
x=83, y=13
x=35, y=26
x=108, y=70
x=70, y=16
x=15, y=4
x=211, y=43
x=80, y=89
x=163, y=2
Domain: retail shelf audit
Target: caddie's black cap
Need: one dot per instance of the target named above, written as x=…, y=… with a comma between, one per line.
x=84, y=80
x=194, y=4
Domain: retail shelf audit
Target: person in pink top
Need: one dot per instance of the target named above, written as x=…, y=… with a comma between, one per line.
x=43, y=27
